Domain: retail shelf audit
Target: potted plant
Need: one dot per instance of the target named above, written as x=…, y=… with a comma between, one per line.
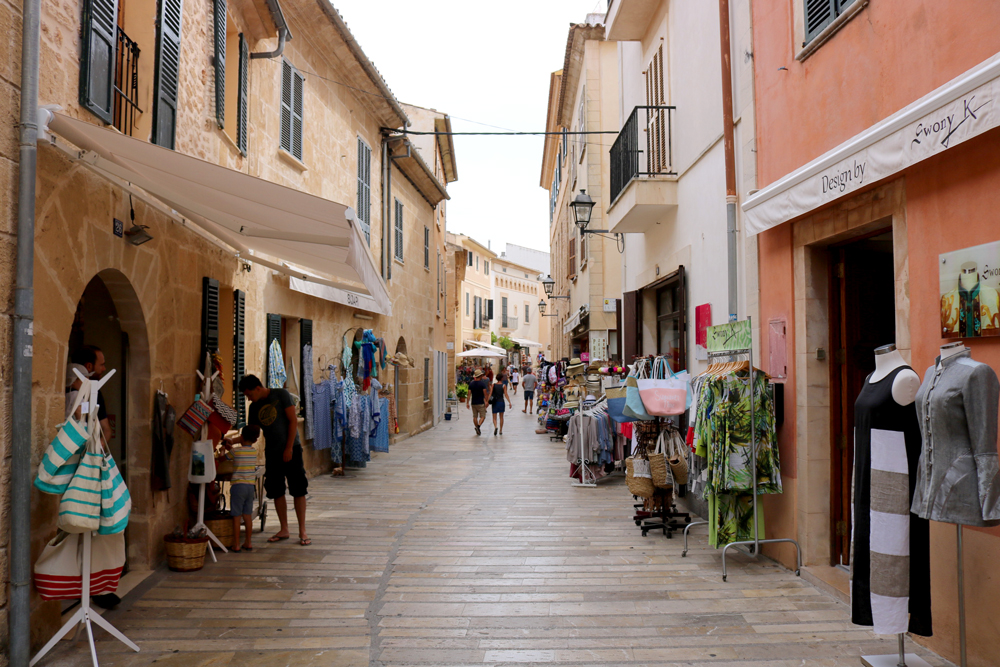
x=462, y=391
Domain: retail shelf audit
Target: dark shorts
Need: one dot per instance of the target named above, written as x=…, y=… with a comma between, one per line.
x=529, y=394
x=241, y=499
x=276, y=471
x=499, y=407
x=514, y=384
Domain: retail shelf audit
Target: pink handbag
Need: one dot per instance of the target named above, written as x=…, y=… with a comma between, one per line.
x=661, y=395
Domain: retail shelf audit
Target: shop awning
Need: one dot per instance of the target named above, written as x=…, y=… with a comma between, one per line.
x=524, y=342
x=961, y=109
x=315, y=240
x=495, y=348
x=481, y=353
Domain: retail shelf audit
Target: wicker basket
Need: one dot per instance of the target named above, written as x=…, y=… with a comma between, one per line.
x=662, y=479
x=638, y=486
x=185, y=555
x=221, y=527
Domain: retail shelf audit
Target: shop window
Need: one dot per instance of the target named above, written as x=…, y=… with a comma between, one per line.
x=671, y=325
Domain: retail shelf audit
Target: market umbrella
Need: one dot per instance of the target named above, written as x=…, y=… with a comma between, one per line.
x=482, y=353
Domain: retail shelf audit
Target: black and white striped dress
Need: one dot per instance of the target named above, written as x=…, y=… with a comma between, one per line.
x=890, y=547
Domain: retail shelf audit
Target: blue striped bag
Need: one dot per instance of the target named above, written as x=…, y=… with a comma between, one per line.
x=80, y=507
x=63, y=454
x=116, y=501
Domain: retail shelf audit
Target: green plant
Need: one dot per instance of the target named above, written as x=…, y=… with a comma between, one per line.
x=504, y=342
x=493, y=338
x=462, y=391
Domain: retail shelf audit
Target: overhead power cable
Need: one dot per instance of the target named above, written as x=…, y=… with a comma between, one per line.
x=495, y=134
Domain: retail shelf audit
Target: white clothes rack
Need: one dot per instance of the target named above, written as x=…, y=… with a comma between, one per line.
x=86, y=615
x=587, y=478
x=207, y=377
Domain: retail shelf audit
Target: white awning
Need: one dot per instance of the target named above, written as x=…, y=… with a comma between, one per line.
x=495, y=348
x=572, y=322
x=524, y=342
x=963, y=108
x=482, y=353
x=315, y=240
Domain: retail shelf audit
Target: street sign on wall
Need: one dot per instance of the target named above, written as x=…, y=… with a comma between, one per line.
x=729, y=336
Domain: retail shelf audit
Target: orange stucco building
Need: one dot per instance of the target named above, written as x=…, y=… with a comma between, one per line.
x=878, y=150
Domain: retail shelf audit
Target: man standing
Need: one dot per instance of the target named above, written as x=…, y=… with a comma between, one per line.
x=477, y=399
x=92, y=358
x=529, y=382
x=274, y=412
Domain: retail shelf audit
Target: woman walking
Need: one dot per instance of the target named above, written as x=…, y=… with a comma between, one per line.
x=499, y=398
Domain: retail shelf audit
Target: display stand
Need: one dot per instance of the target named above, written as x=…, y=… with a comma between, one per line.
x=902, y=660
x=206, y=391
x=86, y=615
x=733, y=349
x=686, y=529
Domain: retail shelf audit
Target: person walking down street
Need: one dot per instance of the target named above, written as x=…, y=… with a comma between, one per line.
x=530, y=382
x=477, y=399
x=273, y=410
x=499, y=399
x=488, y=371
x=515, y=378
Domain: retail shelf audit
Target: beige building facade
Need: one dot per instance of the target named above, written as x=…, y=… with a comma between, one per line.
x=470, y=269
x=517, y=291
x=585, y=267
x=284, y=120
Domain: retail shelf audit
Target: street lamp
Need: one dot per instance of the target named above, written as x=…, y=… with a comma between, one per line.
x=548, y=284
x=541, y=309
x=583, y=207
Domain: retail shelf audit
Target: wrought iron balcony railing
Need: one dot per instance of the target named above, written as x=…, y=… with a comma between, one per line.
x=508, y=323
x=644, y=147
x=126, y=83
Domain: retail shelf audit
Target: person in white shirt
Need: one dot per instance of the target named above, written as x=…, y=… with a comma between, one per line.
x=515, y=378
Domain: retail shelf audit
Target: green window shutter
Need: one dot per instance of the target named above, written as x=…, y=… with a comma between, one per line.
x=209, y=317
x=399, y=230
x=364, y=188
x=220, y=62
x=286, y=106
x=503, y=310
x=427, y=248
x=97, y=57
x=305, y=338
x=242, y=100
x=819, y=14
x=239, y=353
x=168, y=63
x=273, y=333
x=298, y=92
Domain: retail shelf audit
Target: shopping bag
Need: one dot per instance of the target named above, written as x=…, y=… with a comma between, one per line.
x=616, y=404
x=677, y=455
x=59, y=568
x=664, y=394
x=633, y=401
x=638, y=485
x=223, y=412
x=202, y=469
x=659, y=471
x=116, y=501
x=80, y=506
x=63, y=454
x=195, y=417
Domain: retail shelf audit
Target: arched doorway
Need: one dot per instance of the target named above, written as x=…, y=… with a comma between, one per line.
x=109, y=317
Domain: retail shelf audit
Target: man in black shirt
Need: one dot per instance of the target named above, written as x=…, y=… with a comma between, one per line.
x=92, y=358
x=477, y=399
x=273, y=410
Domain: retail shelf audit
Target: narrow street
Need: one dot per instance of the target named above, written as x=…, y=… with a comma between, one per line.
x=457, y=550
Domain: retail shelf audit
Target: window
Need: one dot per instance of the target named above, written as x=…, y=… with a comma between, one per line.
x=232, y=59
x=503, y=311
x=469, y=255
x=466, y=304
x=427, y=379
x=821, y=13
x=399, y=230
x=477, y=312
x=168, y=60
x=439, y=282
x=571, y=259
x=477, y=262
x=427, y=248
x=243, y=93
x=527, y=313
x=365, y=189
x=657, y=134
x=486, y=268
x=670, y=321
x=292, y=91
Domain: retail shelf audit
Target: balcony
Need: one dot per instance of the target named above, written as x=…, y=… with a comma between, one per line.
x=126, y=83
x=508, y=324
x=629, y=19
x=643, y=179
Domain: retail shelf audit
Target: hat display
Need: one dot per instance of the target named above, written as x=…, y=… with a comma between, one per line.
x=575, y=367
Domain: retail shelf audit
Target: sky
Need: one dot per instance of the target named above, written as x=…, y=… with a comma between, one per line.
x=487, y=62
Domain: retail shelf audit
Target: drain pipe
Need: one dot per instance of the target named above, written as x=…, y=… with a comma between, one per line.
x=283, y=33
x=729, y=146
x=19, y=613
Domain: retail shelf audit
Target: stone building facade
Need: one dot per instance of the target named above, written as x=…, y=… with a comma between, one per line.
x=144, y=304
x=516, y=293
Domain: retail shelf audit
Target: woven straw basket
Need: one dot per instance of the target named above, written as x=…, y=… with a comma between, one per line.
x=637, y=486
x=221, y=528
x=658, y=468
x=185, y=555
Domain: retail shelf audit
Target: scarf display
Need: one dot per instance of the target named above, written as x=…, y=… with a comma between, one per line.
x=969, y=323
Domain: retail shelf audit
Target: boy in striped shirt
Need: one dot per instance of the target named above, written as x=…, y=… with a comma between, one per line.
x=244, y=485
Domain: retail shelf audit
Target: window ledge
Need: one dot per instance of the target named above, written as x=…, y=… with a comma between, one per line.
x=850, y=12
x=398, y=261
x=292, y=160
x=228, y=140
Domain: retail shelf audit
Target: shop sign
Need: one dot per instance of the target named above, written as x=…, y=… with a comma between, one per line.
x=970, y=291
x=610, y=305
x=702, y=320
x=729, y=336
x=956, y=112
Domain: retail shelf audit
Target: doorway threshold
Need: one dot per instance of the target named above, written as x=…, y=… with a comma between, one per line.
x=830, y=579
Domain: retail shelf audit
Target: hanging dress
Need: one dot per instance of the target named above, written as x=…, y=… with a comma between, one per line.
x=890, y=547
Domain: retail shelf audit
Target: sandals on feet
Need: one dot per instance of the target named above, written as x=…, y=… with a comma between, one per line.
x=278, y=538
x=304, y=541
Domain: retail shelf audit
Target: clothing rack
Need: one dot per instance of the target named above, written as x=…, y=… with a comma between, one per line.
x=755, y=543
x=587, y=478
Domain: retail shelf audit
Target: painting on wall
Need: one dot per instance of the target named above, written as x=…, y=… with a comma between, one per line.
x=970, y=292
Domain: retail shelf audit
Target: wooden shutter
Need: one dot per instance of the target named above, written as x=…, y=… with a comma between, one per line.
x=632, y=334
x=168, y=63
x=239, y=352
x=489, y=310
x=503, y=310
x=298, y=92
x=657, y=150
x=819, y=14
x=97, y=57
x=220, y=62
x=209, y=317
x=273, y=333
x=399, y=230
x=571, y=259
x=243, y=98
x=305, y=338
x=286, y=106
x=427, y=248
x=364, y=188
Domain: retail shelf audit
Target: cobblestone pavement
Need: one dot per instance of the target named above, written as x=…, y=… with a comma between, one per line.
x=454, y=549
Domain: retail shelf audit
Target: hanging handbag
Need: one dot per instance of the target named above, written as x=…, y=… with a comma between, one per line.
x=616, y=404
x=640, y=484
x=677, y=455
x=659, y=472
x=195, y=417
x=80, y=506
x=116, y=501
x=223, y=417
x=202, y=469
x=664, y=394
x=62, y=456
x=59, y=568
x=633, y=401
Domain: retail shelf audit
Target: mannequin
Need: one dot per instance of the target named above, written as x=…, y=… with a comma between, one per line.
x=907, y=382
x=950, y=350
